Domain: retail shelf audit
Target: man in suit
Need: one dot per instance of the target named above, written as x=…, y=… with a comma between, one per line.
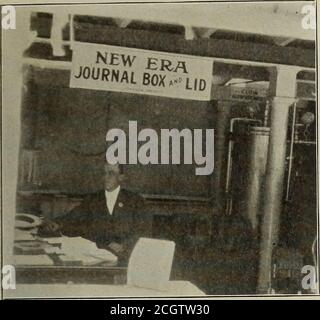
x=114, y=218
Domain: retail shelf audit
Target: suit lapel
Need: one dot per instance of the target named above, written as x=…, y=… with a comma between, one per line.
x=120, y=203
x=100, y=205
x=119, y=207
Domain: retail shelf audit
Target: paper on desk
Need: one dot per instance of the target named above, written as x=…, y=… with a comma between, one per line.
x=78, y=248
x=52, y=250
x=53, y=240
x=32, y=260
x=83, y=260
x=77, y=245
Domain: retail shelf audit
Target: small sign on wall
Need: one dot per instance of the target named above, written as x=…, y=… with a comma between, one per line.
x=112, y=68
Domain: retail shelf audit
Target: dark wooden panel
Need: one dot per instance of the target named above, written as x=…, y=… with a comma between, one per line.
x=72, y=124
x=176, y=43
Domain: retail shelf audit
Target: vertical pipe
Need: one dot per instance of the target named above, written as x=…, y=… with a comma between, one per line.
x=291, y=150
x=274, y=188
x=221, y=135
x=220, y=154
x=259, y=140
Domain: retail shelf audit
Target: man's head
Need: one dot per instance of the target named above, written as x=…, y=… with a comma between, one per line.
x=113, y=176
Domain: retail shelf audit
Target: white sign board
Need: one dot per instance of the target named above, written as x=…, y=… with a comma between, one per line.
x=111, y=68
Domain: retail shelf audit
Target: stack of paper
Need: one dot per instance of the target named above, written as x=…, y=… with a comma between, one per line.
x=77, y=249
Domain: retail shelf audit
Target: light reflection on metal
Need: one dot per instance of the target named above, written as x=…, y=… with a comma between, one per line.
x=291, y=150
x=259, y=140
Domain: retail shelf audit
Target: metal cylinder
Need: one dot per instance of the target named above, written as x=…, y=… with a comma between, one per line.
x=272, y=204
x=259, y=140
x=221, y=136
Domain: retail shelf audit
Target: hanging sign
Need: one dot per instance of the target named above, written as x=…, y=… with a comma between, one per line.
x=248, y=94
x=239, y=94
x=112, y=68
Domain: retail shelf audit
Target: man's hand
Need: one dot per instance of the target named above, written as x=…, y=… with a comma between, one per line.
x=116, y=247
x=48, y=228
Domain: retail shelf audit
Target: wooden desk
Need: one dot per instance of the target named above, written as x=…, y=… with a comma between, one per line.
x=70, y=274
x=56, y=271
x=77, y=281
x=175, y=288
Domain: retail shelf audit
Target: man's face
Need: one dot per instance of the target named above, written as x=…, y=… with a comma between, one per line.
x=112, y=177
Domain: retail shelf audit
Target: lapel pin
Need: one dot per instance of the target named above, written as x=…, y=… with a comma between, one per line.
x=120, y=204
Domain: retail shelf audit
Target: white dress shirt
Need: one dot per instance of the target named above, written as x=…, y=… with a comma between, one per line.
x=111, y=198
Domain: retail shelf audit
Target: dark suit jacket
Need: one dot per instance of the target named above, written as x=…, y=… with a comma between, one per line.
x=91, y=220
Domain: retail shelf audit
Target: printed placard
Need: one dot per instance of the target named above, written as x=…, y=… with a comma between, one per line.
x=112, y=68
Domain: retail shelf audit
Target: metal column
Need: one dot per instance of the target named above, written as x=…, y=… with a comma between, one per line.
x=283, y=83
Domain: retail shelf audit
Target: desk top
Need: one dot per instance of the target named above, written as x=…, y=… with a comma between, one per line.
x=41, y=261
x=174, y=288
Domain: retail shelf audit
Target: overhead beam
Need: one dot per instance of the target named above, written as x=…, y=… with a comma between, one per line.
x=219, y=48
x=152, y=40
x=240, y=17
x=227, y=51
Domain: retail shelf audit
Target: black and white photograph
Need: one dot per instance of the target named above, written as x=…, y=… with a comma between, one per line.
x=159, y=149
